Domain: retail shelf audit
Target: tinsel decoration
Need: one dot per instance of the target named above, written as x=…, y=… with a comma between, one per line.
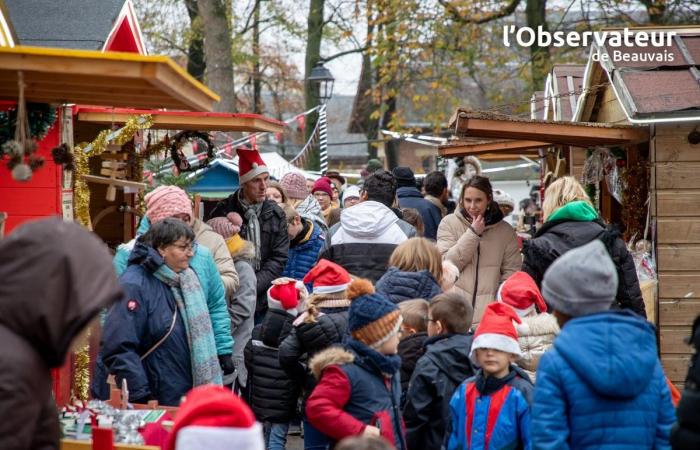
x=81, y=372
x=63, y=155
x=634, y=208
x=81, y=192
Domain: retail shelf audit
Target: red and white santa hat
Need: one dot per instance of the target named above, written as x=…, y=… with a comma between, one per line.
x=214, y=418
x=521, y=292
x=250, y=164
x=286, y=295
x=328, y=277
x=497, y=331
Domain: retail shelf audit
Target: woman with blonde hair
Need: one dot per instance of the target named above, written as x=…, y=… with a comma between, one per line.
x=482, y=246
x=570, y=221
x=415, y=271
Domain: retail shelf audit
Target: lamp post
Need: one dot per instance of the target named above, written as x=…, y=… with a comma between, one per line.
x=321, y=83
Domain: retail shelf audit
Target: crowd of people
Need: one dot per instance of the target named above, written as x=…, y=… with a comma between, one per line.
x=377, y=316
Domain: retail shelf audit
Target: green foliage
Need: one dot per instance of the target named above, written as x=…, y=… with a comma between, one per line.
x=167, y=177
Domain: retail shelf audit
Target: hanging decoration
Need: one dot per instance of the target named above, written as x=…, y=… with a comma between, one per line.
x=40, y=116
x=63, y=155
x=634, y=198
x=82, y=155
x=181, y=161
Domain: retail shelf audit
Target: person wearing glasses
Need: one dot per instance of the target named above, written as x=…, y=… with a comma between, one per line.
x=323, y=193
x=160, y=337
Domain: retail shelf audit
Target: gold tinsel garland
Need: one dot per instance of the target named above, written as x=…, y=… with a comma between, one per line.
x=81, y=200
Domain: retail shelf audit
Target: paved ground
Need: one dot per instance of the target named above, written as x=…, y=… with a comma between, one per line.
x=295, y=443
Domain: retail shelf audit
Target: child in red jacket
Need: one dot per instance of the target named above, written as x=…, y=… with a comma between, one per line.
x=359, y=388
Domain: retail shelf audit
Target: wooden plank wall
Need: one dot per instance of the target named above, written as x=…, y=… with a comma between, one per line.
x=676, y=207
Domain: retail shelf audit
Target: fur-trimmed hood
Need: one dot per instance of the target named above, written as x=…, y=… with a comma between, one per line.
x=331, y=356
x=246, y=253
x=539, y=325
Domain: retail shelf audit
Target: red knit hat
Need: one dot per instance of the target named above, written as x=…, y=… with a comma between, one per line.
x=327, y=277
x=250, y=164
x=213, y=418
x=496, y=330
x=323, y=184
x=284, y=296
x=520, y=291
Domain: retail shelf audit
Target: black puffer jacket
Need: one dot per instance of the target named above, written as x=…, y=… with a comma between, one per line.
x=438, y=372
x=272, y=395
x=369, y=261
x=410, y=350
x=274, y=242
x=559, y=236
x=685, y=434
x=307, y=339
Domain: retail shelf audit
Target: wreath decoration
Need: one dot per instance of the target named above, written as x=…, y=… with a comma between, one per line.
x=178, y=156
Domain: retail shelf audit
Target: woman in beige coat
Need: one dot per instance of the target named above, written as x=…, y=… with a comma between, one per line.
x=482, y=246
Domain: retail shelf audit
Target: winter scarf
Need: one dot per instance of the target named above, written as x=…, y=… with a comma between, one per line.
x=579, y=211
x=387, y=365
x=192, y=306
x=310, y=209
x=251, y=214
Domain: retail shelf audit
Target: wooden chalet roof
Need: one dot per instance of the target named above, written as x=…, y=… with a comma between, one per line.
x=96, y=78
x=562, y=90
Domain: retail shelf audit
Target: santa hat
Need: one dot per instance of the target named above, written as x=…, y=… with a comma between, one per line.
x=520, y=291
x=496, y=330
x=214, y=418
x=250, y=164
x=286, y=296
x=327, y=278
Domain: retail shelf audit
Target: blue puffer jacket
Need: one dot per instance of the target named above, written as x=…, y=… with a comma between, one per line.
x=601, y=386
x=410, y=197
x=303, y=256
x=204, y=266
x=400, y=286
x=135, y=324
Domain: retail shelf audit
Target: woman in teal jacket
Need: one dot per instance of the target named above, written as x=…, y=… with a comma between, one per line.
x=204, y=266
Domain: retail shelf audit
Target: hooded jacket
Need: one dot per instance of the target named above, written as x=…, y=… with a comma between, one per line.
x=484, y=261
x=410, y=349
x=304, y=250
x=206, y=236
x=48, y=294
x=399, y=285
x=602, y=386
x=571, y=226
x=364, y=239
x=134, y=326
x=410, y=197
x=438, y=372
x=272, y=395
x=274, y=242
x=535, y=336
x=241, y=310
x=204, y=265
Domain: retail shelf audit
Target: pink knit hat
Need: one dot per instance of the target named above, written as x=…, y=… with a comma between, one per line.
x=167, y=201
x=294, y=185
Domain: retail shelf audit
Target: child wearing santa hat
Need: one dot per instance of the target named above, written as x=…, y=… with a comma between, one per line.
x=214, y=418
x=270, y=392
x=537, y=332
x=359, y=388
x=491, y=409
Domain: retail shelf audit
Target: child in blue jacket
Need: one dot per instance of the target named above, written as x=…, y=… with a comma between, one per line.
x=491, y=409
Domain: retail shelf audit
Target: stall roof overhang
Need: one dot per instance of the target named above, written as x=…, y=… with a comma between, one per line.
x=492, y=150
x=579, y=134
x=87, y=77
x=184, y=120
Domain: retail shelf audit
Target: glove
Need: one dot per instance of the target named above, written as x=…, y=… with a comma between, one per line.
x=226, y=362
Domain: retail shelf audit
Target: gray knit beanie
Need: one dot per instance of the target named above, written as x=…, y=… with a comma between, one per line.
x=582, y=281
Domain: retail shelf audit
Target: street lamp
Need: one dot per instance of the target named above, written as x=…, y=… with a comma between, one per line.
x=323, y=78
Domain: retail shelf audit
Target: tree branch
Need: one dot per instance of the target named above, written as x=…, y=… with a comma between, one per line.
x=346, y=52
x=461, y=17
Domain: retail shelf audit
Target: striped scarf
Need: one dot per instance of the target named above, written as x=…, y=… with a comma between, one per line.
x=193, y=309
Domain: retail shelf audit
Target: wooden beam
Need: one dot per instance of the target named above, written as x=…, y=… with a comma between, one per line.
x=456, y=149
x=566, y=133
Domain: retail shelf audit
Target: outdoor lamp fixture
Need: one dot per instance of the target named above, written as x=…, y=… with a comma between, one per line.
x=322, y=77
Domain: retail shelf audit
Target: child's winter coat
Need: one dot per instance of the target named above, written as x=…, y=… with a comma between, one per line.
x=271, y=393
x=535, y=335
x=438, y=372
x=602, y=386
x=358, y=387
x=410, y=351
x=304, y=250
x=491, y=413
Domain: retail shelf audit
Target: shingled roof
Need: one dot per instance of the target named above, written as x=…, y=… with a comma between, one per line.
x=78, y=24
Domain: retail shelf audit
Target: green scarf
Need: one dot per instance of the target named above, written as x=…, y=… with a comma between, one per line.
x=193, y=309
x=579, y=211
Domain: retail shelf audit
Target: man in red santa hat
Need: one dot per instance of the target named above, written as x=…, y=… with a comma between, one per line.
x=264, y=223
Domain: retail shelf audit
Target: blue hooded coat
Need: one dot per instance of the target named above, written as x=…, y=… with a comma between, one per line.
x=204, y=266
x=399, y=285
x=601, y=386
x=303, y=255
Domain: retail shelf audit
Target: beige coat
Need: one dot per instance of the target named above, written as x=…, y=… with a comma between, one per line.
x=535, y=337
x=206, y=236
x=496, y=252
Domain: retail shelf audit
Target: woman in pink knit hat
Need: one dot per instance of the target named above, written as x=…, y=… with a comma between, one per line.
x=299, y=197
